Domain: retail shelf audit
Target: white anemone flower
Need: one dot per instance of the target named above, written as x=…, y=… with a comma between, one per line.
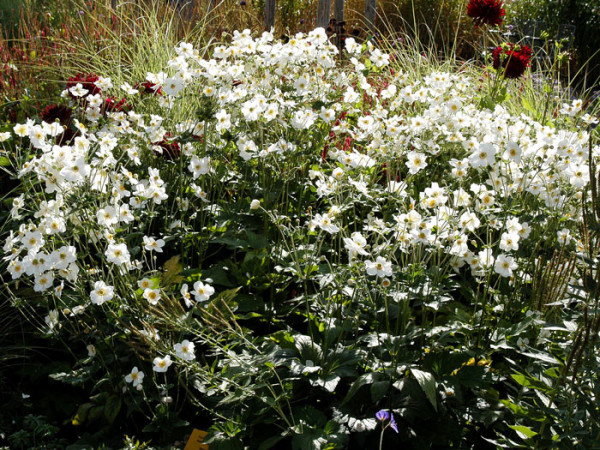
x=185, y=350
x=202, y=292
x=162, y=364
x=381, y=267
x=101, y=293
x=135, y=377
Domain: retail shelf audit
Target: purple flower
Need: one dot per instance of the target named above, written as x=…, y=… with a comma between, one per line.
x=382, y=415
x=393, y=423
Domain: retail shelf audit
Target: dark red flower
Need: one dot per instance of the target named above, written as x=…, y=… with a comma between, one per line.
x=486, y=11
x=149, y=88
x=110, y=105
x=55, y=112
x=511, y=60
x=169, y=148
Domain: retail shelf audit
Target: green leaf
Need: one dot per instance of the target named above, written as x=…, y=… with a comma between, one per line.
x=379, y=389
x=270, y=443
x=4, y=161
x=112, y=408
x=256, y=241
x=530, y=382
x=428, y=384
x=523, y=432
x=367, y=378
x=172, y=272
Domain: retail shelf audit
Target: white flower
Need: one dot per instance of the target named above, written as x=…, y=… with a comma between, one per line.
x=185, y=350
x=325, y=223
x=52, y=319
x=162, y=364
x=136, y=377
x=186, y=295
x=327, y=114
x=32, y=241
x=152, y=244
x=202, y=292
x=91, y=350
x=505, y=265
x=356, y=244
x=513, y=152
x=101, y=293
x=522, y=343
x=16, y=268
x=223, y=120
x=416, y=161
x=271, y=111
x=107, y=216
x=104, y=83
x=78, y=90
x=118, y=254
x=579, y=174
x=564, y=236
x=144, y=283
x=128, y=89
x=485, y=155
x=352, y=46
x=64, y=256
x=486, y=258
x=43, y=281
x=379, y=59
x=172, y=86
x=21, y=129
x=152, y=295
x=509, y=241
x=381, y=267
x=199, y=166
x=255, y=204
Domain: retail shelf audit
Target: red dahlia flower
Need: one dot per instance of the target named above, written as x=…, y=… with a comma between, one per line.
x=147, y=87
x=169, y=148
x=486, y=11
x=111, y=105
x=512, y=60
x=55, y=112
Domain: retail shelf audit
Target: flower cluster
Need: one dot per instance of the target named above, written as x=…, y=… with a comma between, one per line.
x=371, y=181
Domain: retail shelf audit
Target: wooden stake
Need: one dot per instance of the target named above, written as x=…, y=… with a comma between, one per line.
x=323, y=13
x=370, y=13
x=269, y=14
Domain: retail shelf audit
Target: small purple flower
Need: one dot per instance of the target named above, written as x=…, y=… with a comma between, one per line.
x=393, y=424
x=243, y=3
x=382, y=415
